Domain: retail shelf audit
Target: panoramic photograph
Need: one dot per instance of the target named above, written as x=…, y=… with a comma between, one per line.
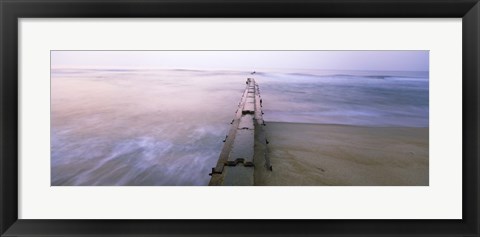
x=239, y=118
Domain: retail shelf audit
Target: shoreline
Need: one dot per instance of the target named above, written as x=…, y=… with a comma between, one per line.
x=304, y=154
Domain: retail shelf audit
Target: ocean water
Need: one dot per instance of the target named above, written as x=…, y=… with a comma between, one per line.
x=380, y=99
x=165, y=127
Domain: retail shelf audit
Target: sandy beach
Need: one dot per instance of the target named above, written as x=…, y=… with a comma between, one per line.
x=339, y=155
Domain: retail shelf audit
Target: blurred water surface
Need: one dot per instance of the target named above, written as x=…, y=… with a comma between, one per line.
x=165, y=127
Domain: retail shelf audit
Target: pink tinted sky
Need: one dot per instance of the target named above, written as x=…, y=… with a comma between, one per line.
x=246, y=60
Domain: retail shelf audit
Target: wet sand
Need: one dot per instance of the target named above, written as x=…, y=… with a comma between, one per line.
x=338, y=155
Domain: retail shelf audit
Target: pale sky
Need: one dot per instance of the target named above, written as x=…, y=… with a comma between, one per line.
x=245, y=60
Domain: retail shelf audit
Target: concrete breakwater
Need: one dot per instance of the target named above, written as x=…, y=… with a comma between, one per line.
x=245, y=142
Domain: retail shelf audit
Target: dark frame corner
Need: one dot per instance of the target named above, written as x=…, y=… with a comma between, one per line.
x=11, y=10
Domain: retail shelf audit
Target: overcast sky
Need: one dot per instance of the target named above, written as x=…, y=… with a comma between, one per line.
x=245, y=60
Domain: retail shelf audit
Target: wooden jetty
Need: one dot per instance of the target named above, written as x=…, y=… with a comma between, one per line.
x=235, y=166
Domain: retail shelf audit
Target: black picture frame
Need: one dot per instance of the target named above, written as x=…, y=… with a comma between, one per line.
x=11, y=11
